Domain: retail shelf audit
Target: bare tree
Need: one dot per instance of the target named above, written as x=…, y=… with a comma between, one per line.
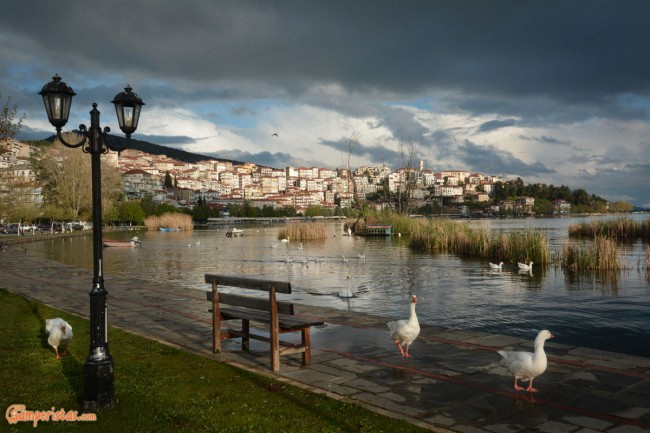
x=9, y=125
x=357, y=203
x=65, y=175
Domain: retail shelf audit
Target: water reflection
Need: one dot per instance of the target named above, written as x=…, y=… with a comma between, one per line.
x=587, y=310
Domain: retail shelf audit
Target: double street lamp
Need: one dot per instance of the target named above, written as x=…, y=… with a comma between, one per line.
x=57, y=96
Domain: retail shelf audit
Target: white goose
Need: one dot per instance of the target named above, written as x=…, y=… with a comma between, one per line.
x=404, y=332
x=527, y=365
x=495, y=266
x=60, y=334
x=347, y=292
x=525, y=267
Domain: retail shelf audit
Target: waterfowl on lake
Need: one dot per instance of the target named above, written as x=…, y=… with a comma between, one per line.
x=347, y=292
x=525, y=267
x=495, y=266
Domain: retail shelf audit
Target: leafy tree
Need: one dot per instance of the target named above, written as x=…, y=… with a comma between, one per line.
x=620, y=206
x=168, y=181
x=130, y=211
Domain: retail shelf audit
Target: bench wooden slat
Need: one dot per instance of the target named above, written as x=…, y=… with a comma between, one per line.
x=286, y=321
x=251, y=302
x=249, y=283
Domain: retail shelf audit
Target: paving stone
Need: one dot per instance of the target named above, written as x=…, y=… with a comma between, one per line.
x=387, y=404
x=366, y=385
x=628, y=429
x=440, y=420
x=584, y=421
x=556, y=427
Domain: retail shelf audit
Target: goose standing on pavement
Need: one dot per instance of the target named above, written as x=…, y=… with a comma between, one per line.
x=405, y=331
x=527, y=365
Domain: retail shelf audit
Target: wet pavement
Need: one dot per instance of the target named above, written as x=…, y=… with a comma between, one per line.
x=453, y=382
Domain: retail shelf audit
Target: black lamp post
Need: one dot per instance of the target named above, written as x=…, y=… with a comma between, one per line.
x=57, y=96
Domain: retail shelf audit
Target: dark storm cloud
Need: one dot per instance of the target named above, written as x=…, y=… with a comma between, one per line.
x=545, y=139
x=375, y=154
x=267, y=159
x=493, y=125
x=573, y=51
x=177, y=140
x=488, y=159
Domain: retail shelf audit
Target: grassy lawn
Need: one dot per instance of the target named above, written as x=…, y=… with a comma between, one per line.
x=158, y=388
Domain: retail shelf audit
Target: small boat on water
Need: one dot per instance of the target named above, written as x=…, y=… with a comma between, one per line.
x=232, y=232
x=133, y=242
x=376, y=230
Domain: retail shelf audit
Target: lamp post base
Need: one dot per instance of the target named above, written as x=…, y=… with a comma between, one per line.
x=99, y=384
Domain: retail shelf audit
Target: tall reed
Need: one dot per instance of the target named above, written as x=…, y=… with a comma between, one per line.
x=444, y=236
x=619, y=228
x=171, y=219
x=599, y=255
x=303, y=231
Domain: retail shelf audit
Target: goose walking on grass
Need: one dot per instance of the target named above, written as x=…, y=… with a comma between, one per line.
x=527, y=365
x=404, y=332
x=59, y=334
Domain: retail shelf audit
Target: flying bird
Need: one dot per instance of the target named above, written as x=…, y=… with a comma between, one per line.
x=60, y=334
x=275, y=134
x=527, y=365
x=404, y=332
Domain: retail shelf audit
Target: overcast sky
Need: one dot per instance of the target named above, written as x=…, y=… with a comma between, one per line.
x=550, y=91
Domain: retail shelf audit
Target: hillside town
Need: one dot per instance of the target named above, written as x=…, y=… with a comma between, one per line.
x=219, y=183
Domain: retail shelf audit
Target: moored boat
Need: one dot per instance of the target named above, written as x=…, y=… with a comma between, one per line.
x=232, y=232
x=376, y=230
x=121, y=243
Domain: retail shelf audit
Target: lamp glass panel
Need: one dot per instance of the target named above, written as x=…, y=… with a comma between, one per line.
x=128, y=116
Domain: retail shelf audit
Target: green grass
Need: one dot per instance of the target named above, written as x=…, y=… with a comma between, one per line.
x=158, y=388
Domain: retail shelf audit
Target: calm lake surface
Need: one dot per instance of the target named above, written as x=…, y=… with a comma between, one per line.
x=610, y=314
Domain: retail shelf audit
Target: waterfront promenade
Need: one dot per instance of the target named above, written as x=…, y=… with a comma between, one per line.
x=454, y=381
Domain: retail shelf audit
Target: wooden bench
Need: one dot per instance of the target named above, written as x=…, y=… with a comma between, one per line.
x=275, y=316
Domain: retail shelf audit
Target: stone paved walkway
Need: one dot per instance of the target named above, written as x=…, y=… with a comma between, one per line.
x=453, y=382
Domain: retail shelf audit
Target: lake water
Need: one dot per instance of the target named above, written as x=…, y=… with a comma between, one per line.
x=610, y=314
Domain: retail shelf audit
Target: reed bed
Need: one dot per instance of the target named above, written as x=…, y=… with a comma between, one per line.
x=171, y=219
x=303, y=231
x=600, y=255
x=443, y=236
x=619, y=229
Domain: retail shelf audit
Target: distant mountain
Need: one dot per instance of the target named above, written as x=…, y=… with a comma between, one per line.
x=156, y=149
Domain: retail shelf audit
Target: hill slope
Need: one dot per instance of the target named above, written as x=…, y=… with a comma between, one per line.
x=156, y=149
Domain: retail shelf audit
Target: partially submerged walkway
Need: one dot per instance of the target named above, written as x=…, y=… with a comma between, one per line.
x=453, y=382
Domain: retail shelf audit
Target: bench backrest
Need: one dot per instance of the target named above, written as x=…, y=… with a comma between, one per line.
x=249, y=283
x=249, y=301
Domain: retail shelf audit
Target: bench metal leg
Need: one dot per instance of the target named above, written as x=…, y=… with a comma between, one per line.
x=245, y=340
